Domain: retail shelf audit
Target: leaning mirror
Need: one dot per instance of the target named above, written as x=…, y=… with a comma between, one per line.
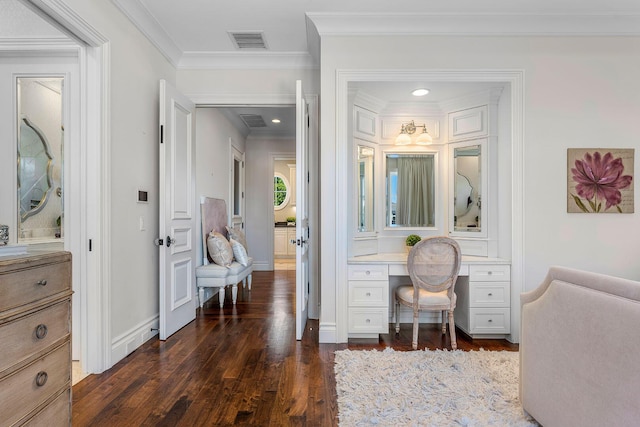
x=410, y=181
x=366, y=156
x=34, y=169
x=467, y=188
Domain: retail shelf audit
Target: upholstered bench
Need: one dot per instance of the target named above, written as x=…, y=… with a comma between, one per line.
x=210, y=274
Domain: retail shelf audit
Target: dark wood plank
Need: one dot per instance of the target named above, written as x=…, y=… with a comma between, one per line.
x=239, y=365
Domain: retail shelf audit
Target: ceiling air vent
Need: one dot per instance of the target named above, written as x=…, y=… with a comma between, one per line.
x=253, y=120
x=248, y=40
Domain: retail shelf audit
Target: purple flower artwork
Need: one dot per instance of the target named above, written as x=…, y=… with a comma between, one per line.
x=600, y=180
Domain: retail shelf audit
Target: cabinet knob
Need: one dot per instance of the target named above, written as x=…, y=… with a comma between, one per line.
x=490, y=320
x=368, y=294
x=490, y=294
x=41, y=378
x=368, y=321
x=489, y=273
x=42, y=282
x=367, y=272
x=41, y=331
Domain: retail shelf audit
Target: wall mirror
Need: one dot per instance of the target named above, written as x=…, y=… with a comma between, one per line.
x=366, y=203
x=410, y=189
x=467, y=188
x=39, y=149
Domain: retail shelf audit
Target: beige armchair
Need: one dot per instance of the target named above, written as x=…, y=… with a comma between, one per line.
x=433, y=266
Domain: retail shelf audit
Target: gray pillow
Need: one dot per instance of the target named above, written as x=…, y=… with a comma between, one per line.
x=219, y=249
x=239, y=252
x=238, y=235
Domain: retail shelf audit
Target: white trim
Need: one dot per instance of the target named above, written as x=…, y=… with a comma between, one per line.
x=516, y=79
x=27, y=47
x=234, y=100
x=126, y=343
x=144, y=21
x=246, y=60
x=94, y=60
x=478, y=24
x=275, y=156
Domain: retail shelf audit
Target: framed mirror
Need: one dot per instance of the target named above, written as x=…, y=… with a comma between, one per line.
x=365, y=182
x=467, y=187
x=410, y=189
x=34, y=169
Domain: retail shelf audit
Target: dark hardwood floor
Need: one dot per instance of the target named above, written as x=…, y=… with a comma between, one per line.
x=239, y=365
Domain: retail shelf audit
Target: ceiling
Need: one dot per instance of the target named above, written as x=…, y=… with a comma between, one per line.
x=196, y=33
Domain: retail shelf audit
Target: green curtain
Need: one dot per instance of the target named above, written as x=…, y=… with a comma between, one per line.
x=416, y=191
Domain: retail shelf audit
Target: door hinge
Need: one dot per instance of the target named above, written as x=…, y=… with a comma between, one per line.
x=90, y=245
x=308, y=177
x=161, y=134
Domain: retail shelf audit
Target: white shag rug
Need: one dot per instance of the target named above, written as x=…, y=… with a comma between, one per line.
x=428, y=388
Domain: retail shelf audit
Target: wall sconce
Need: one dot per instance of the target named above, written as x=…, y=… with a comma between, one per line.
x=408, y=129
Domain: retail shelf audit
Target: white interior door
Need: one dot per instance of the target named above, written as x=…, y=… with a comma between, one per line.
x=302, y=211
x=177, y=225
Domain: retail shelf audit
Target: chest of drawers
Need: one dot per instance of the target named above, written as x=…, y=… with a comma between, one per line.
x=35, y=331
x=483, y=309
x=368, y=300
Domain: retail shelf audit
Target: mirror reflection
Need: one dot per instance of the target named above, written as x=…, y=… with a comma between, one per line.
x=34, y=169
x=467, y=189
x=39, y=150
x=410, y=180
x=365, y=188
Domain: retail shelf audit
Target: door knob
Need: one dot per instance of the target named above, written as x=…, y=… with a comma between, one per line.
x=170, y=241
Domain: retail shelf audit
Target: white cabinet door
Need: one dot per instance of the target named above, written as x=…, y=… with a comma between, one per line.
x=291, y=241
x=280, y=242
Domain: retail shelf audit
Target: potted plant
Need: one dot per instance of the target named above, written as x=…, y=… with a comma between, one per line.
x=411, y=240
x=291, y=220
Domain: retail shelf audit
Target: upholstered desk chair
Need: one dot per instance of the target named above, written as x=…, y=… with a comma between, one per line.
x=433, y=266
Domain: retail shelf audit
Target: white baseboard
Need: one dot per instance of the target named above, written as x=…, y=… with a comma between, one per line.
x=125, y=344
x=327, y=333
x=261, y=266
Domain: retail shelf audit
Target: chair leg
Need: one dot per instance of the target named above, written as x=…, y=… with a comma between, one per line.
x=452, y=331
x=444, y=321
x=201, y=296
x=234, y=293
x=397, y=317
x=249, y=281
x=221, y=296
x=416, y=325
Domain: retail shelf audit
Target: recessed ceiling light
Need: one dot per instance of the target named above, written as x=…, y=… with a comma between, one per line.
x=275, y=121
x=420, y=92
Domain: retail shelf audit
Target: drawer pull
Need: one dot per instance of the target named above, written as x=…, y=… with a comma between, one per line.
x=489, y=273
x=490, y=294
x=368, y=294
x=41, y=378
x=42, y=282
x=41, y=331
x=368, y=321
x=367, y=272
x=490, y=320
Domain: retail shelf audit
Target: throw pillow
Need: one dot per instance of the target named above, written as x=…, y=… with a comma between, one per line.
x=219, y=249
x=238, y=235
x=239, y=252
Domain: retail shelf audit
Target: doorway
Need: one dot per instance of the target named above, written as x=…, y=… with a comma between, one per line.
x=284, y=213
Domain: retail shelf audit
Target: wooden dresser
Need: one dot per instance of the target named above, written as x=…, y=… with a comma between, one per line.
x=35, y=344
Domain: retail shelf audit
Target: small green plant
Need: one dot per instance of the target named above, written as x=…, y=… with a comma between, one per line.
x=412, y=239
x=291, y=219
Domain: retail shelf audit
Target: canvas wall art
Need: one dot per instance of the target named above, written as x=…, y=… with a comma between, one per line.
x=600, y=180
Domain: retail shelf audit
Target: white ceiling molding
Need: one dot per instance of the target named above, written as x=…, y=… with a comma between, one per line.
x=25, y=47
x=233, y=100
x=475, y=24
x=239, y=60
x=149, y=26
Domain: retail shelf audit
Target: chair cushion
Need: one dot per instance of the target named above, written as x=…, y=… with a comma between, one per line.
x=219, y=249
x=405, y=293
x=239, y=252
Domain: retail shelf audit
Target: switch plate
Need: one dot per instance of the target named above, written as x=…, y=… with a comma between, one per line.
x=142, y=228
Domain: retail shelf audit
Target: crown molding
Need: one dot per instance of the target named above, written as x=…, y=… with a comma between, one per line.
x=50, y=47
x=246, y=60
x=359, y=24
x=135, y=11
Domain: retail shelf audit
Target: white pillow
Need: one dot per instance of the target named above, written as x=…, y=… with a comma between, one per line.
x=219, y=249
x=237, y=235
x=239, y=252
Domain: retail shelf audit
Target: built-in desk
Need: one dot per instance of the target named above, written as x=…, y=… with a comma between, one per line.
x=483, y=290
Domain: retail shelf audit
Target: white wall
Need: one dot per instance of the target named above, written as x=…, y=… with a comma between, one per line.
x=578, y=92
x=136, y=68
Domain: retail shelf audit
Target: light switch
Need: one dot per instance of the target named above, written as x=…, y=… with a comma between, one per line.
x=142, y=224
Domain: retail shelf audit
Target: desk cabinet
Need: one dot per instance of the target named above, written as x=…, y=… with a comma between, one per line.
x=282, y=246
x=484, y=302
x=368, y=300
x=35, y=331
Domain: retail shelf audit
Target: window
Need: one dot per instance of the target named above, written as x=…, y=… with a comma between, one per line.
x=280, y=191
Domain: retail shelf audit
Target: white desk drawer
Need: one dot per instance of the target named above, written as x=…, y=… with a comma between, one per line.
x=368, y=293
x=369, y=320
x=490, y=320
x=489, y=273
x=489, y=294
x=368, y=272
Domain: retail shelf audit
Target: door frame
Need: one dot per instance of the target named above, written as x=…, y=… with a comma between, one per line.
x=94, y=247
x=259, y=100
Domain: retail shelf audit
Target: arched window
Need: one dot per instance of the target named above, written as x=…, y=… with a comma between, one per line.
x=280, y=191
